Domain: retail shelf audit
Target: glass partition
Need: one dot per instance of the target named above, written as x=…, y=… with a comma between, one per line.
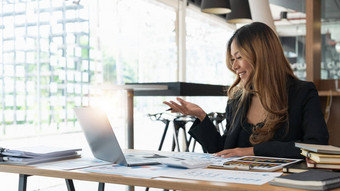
x=330, y=46
x=292, y=33
x=290, y=22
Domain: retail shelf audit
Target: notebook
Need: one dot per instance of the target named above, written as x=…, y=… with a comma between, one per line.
x=309, y=180
x=102, y=140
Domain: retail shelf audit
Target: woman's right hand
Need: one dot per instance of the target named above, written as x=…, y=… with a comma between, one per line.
x=186, y=108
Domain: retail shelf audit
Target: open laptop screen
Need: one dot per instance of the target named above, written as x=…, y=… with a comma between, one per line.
x=102, y=140
x=99, y=135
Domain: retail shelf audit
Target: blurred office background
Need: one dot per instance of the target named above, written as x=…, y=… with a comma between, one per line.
x=55, y=54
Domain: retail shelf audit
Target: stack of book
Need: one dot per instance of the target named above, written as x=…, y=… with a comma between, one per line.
x=310, y=180
x=298, y=167
x=320, y=156
x=34, y=155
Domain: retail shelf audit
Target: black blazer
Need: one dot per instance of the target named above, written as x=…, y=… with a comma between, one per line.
x=306, y=124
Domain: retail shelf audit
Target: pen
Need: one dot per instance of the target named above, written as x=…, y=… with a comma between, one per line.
x=169, y=109
x=239, y=167
x=242, y=167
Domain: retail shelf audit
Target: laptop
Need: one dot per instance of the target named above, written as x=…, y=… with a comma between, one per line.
x=102, y=140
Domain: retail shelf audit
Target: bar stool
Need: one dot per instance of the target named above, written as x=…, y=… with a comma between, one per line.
x=158, y=117
x=180, y=124
x=217, y=119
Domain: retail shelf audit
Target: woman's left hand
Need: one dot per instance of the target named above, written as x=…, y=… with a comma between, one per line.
x=248, y=151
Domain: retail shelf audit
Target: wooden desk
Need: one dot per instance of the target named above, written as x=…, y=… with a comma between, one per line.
x=163, y=183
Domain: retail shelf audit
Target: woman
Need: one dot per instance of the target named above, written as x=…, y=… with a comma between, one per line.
x=268, y=109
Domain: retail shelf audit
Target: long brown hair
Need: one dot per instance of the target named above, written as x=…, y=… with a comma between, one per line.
x=261, y=48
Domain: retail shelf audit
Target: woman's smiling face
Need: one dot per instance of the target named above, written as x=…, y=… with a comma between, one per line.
x=241, y=67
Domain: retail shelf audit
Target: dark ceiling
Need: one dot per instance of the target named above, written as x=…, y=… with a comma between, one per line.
x=330, y=9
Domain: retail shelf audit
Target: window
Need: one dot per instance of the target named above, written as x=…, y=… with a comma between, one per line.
x=41, y=52
x=53, y=54
x=206, y=47
x=206, y=42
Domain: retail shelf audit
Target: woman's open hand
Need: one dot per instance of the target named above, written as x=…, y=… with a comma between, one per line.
x=186, y=108
x=248, y=151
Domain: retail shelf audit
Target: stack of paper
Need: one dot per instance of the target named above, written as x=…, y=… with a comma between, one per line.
x=34, y=155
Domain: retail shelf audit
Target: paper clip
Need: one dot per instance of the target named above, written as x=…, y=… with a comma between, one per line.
x=2, y=149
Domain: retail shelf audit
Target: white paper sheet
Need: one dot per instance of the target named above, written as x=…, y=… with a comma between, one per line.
x=229, y=176
x=217, y=161
x=72, y=164
x=216, y=175
x=150, y=171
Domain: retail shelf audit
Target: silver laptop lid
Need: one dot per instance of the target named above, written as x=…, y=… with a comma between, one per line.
x=99, y=135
